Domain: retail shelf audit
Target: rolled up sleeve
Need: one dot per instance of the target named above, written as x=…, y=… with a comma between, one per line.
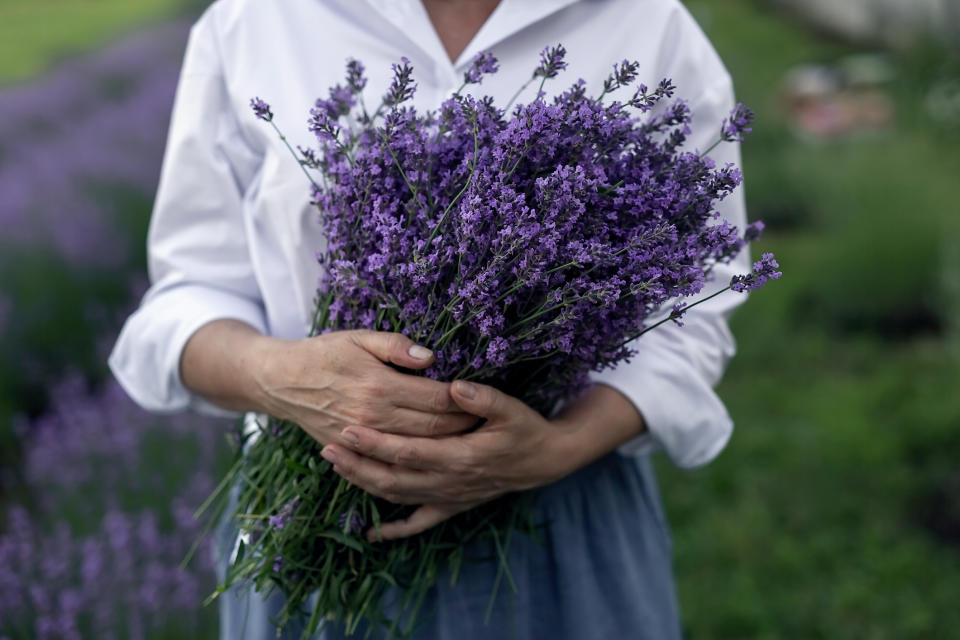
x=198, y=255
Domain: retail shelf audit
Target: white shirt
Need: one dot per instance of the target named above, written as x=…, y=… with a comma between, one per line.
x=233, y=234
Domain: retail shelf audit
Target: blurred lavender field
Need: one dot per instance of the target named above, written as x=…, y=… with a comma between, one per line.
x=106, y=517
x=65, y=140
x=96, y=497
x=80, y=152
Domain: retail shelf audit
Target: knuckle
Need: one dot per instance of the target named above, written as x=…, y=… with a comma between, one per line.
x=435, y=425
x=467, y=463
x=489, y=399
x=437, y=399
x=458, y=468
x=370, y=387
x=398, y=343
x=367, y=417
x=386, y=485
x=408, y=455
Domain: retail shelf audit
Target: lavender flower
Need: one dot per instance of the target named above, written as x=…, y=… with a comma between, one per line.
x=676, y=313
x=323, y=124
x=261, y=109
x=403, y=86
x=282, y=518
x=482, y=64
x=737, y=125
x=350, y=521
x=551, y=62
x=764, y=270
x=645, y=101
x=355, y=78
x=753, y=231
x=625, y=72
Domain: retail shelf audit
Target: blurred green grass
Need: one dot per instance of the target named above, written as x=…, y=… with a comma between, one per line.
x=835, y=510
x=35, y=34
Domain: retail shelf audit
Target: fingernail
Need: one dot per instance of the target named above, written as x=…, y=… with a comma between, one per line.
x=420, y=353
x=350, y=437
x=466, y=389
x=329, y=455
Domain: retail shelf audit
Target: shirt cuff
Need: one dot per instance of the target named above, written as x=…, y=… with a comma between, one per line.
x=683, y=415
x=146, y=357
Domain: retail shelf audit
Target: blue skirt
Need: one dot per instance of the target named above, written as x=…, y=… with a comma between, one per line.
x=602, y=569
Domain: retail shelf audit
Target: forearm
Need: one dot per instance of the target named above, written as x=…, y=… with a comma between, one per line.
x=595, y=424
x=220, y=362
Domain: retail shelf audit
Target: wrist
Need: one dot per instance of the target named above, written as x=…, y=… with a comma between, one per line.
x=569, y=446
x=264, y=362
x=595, y=424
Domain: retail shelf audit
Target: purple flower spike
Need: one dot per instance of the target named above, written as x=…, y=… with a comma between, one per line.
x=753, y=231
x=737, y=126
x=551, y=62
x=402, y=87
x=261, y=109
x=351, y=521
x=322, y=125
x=764, y=270
x=626, y=71
x=676, y=313
x=282, y=518
x=355, y=78
x=483, y=63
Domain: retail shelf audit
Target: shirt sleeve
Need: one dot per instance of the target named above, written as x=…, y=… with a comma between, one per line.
x=198, y=256
x=670, y=380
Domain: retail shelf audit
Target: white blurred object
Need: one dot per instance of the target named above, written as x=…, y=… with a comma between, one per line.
x=847, y=99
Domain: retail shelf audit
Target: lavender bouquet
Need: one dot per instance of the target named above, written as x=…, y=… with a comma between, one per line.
x=526, y=246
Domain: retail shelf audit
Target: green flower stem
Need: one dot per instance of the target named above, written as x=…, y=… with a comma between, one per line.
x=296, y=157
x=517, y=94
x=668, y=318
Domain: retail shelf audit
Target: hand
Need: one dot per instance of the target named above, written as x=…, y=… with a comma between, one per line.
x=516, y=449
x=339, y=379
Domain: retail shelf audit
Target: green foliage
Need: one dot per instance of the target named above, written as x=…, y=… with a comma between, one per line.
x=835, y=510
x=36, y=34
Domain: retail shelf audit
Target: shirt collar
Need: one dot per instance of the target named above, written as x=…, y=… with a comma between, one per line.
x=510, y=17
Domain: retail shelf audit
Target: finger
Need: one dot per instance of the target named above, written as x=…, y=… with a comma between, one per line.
x=426, y=454
x=426, y=517
x=426, y=425
x=485, y=401
x=393, y=347
x=418, y=393
x=395, y=484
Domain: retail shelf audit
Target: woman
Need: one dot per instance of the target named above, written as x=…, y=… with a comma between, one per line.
x=231, y=249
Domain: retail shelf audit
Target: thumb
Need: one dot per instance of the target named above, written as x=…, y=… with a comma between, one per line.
x=394, y=347
x=482, y=400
